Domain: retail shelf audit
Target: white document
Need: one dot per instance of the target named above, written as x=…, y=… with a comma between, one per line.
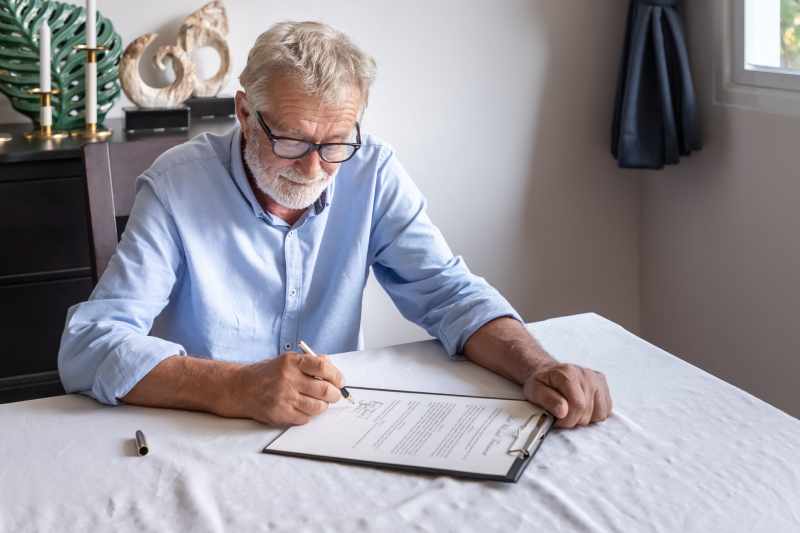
x=459, y=434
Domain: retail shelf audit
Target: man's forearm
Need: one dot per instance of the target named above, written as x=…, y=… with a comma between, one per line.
x=504, y=346
x=183, y=382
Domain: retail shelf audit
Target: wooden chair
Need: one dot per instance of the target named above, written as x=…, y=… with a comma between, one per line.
x=111, y=172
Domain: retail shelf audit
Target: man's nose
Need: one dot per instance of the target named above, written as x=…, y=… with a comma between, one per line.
x=310, y=164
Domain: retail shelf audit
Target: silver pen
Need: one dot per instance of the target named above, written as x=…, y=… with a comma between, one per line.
x=141, y=443
x=345, y=393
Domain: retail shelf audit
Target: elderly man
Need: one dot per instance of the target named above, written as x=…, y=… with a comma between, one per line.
x=246, y=243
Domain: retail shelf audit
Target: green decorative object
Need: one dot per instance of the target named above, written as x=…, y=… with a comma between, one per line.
x=19, y=60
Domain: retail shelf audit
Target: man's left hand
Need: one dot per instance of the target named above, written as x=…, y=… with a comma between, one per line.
x=575, y=395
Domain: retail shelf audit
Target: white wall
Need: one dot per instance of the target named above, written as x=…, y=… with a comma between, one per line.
x=720, y=247
x=501, y=112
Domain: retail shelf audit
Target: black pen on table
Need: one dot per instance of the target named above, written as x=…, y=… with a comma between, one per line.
x=307, y=349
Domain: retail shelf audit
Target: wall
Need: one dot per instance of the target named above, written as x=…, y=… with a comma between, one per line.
x=501, y=112
x=720, y=253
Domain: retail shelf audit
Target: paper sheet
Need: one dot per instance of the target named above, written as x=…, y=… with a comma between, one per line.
x=459, y=433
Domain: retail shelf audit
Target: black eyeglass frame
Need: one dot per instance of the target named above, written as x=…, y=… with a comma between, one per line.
x=311, y=146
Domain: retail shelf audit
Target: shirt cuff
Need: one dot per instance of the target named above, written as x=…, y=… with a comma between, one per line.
x=459, y=329
x=130, y=361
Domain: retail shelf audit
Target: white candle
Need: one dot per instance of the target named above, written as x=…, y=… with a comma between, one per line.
x=45, y=112
x=91, y=93
x=44, y=57
x=91, y=30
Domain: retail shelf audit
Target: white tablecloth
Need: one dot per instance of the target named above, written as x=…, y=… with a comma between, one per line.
x=683, y=451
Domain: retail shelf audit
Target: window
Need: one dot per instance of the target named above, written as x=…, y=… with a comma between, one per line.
x=767, y=40
x=761, y=55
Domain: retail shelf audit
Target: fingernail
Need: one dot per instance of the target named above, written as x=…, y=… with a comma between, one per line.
x=561, y=411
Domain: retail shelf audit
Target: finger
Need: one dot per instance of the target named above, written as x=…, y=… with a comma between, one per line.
x=567, y=382
x=286, y=415
x=546, y=397
x=600, y=407
x=607, y=395
x=586, y=417
x=322, y=368
x=319, y=389
x=603, y=399
x=310, y=406
x=298, y=418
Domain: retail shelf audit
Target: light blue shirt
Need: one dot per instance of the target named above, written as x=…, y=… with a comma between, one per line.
x=233, y=282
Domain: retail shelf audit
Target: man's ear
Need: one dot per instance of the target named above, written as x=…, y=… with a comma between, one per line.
x=242, y=109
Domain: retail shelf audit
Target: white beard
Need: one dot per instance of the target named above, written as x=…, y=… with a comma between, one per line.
x=287, y=186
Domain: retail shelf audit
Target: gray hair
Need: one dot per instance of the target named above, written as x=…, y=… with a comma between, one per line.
x=323, y=59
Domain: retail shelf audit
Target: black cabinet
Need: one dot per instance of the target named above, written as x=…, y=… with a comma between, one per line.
x=44, y=253
x=33, y=317
x=43, y=226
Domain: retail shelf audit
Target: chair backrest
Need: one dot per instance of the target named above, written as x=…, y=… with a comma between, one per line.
x=111, y=172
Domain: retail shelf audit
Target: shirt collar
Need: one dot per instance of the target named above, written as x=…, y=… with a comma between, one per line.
x=237, y=170
x=324, y=199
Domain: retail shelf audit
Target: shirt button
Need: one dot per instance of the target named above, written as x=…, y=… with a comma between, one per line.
x=287, y=346
x=292, y=292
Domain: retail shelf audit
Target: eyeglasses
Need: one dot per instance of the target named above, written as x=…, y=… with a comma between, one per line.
x=289, y=148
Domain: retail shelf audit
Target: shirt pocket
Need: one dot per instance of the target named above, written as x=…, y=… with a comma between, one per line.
x=229, y=335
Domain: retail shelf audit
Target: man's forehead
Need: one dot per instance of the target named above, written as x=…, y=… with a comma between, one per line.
x=289, y=116
x=290, y=107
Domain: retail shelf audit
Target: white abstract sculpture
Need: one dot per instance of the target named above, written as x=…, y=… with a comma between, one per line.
x=208, y=26
x=144, y=95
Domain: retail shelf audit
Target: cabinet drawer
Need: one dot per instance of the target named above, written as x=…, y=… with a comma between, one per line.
x=43, y=168
x=43, y=226
x=30, y=387
x=32, y=318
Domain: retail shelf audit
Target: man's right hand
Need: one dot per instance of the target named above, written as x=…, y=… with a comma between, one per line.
x=285, y=391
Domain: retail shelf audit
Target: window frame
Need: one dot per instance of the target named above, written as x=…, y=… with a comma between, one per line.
x=763, y=89
x=766, y=77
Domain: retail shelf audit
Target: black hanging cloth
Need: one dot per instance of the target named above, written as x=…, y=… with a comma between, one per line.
x=655, y=115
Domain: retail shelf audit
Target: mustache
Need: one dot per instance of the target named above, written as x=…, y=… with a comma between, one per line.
x=295, y=177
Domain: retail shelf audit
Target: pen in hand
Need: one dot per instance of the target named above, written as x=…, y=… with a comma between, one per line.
x=307, y=349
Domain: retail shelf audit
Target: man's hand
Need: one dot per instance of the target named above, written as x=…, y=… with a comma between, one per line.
x=287, y=390
x=575, y=395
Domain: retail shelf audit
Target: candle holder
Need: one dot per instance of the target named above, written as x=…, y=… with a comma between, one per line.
x=45, y=131
x=91, y=132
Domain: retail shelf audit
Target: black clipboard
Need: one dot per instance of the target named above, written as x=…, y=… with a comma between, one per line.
x=525, y=453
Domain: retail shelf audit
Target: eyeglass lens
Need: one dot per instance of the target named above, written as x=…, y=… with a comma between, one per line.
x=330, y=153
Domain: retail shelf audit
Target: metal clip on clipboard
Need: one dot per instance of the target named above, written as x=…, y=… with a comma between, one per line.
x=541, y=422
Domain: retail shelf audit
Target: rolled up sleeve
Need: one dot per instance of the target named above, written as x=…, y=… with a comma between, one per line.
x=106, y=347
x=413, y=263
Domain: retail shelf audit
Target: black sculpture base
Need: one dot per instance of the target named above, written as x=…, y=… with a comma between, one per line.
x=156, y=119
x=212, y=107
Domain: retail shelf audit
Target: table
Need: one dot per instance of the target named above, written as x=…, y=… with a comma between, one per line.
x=682, y=451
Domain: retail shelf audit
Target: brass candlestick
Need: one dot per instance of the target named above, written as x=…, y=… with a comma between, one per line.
x=91, y=132
x=45, y=131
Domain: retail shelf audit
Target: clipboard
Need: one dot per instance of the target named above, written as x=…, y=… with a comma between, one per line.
x=526, y=442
